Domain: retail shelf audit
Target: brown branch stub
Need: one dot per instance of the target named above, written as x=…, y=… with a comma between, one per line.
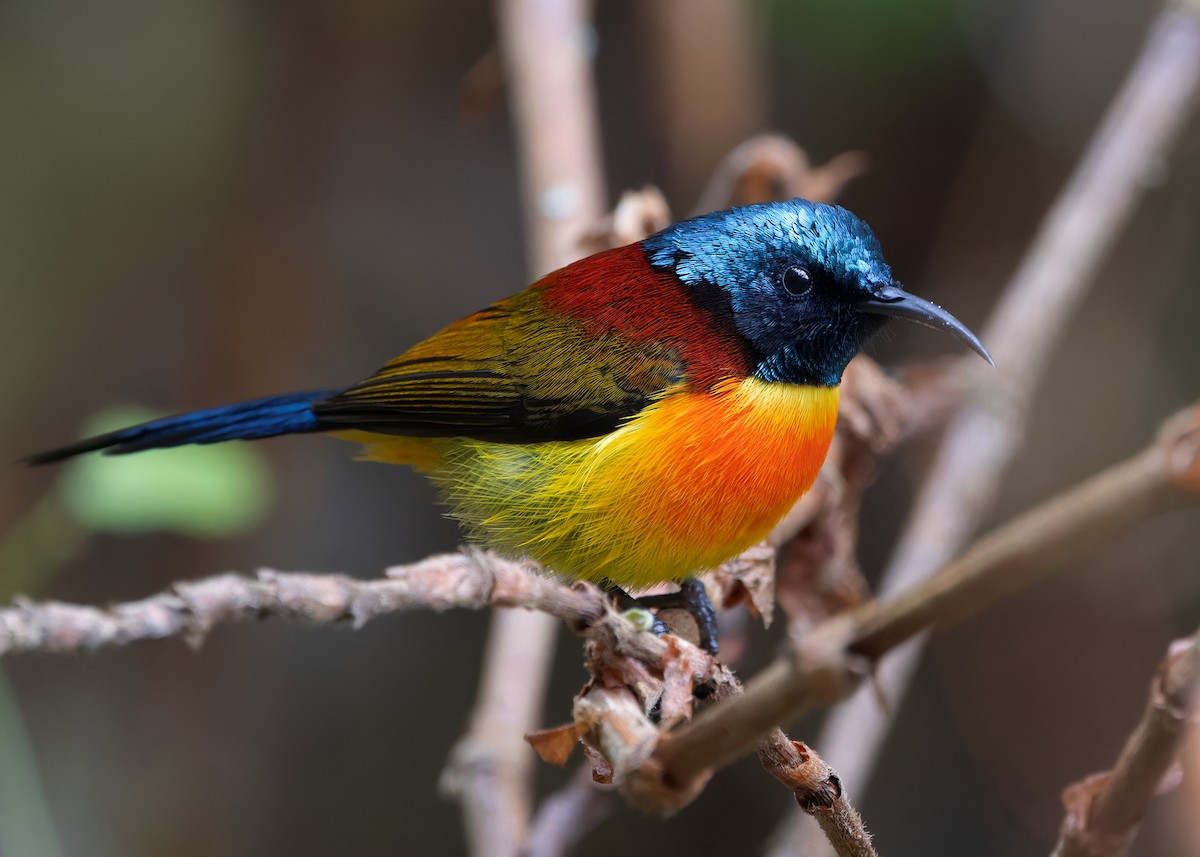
x=819, y=793
x=773, y=166
x=1103, y=811
x=639, y=213
x=819, y=669
x=614, y=708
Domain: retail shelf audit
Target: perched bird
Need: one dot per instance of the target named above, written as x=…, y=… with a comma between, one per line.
x=637, y=416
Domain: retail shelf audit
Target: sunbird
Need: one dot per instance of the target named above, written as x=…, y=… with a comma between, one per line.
x=636, y=417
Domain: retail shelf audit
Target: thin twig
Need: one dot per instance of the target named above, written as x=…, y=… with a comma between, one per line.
x=566, y=817
x=827, y=663
x=1104, y=810
x=1137, y=132
x=544, y=50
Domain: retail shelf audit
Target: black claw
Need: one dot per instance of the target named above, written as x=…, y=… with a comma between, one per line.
x=696, y=600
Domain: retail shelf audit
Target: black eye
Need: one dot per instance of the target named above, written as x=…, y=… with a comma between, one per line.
x=797, y=281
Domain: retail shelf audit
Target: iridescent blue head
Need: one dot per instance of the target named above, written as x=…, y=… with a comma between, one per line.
x=804, y=283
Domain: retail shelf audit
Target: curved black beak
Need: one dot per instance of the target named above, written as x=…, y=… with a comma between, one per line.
x=891, y=300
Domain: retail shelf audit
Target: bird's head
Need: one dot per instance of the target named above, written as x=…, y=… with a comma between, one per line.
x=804, y=283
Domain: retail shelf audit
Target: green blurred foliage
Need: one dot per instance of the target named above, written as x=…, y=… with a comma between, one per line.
x=202, y=491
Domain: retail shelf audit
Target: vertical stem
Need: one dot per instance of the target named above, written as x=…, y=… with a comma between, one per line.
x=547, y=46
x=546, y=49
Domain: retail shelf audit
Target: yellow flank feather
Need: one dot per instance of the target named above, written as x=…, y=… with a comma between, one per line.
x=688, y=482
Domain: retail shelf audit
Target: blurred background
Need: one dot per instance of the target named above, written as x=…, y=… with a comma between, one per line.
x=208, y=200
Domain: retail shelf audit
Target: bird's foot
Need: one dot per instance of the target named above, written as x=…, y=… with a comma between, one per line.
x=694, y=599
x=691, y=597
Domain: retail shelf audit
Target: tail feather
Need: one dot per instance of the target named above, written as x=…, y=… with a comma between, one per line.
x=251, y=420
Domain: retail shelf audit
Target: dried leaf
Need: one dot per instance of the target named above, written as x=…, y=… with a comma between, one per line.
x=554, y=745
x=748, y=579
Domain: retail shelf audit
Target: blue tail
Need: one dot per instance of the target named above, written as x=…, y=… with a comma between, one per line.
x=245, y=421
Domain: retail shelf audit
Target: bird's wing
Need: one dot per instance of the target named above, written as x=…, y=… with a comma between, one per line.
x=516, y=372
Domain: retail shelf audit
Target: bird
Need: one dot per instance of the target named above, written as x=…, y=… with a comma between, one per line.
x=636, y=417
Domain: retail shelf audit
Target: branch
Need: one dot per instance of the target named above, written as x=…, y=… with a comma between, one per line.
x=191, y=610
x=1051, y=281
x=1104, y=810
x=827, y=663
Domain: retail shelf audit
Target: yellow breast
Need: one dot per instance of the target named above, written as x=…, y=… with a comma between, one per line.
x=690, y=481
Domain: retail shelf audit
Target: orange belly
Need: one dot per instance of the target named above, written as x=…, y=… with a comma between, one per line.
x=692, y=480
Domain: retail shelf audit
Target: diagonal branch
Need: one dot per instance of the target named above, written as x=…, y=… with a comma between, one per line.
x=826, y=664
